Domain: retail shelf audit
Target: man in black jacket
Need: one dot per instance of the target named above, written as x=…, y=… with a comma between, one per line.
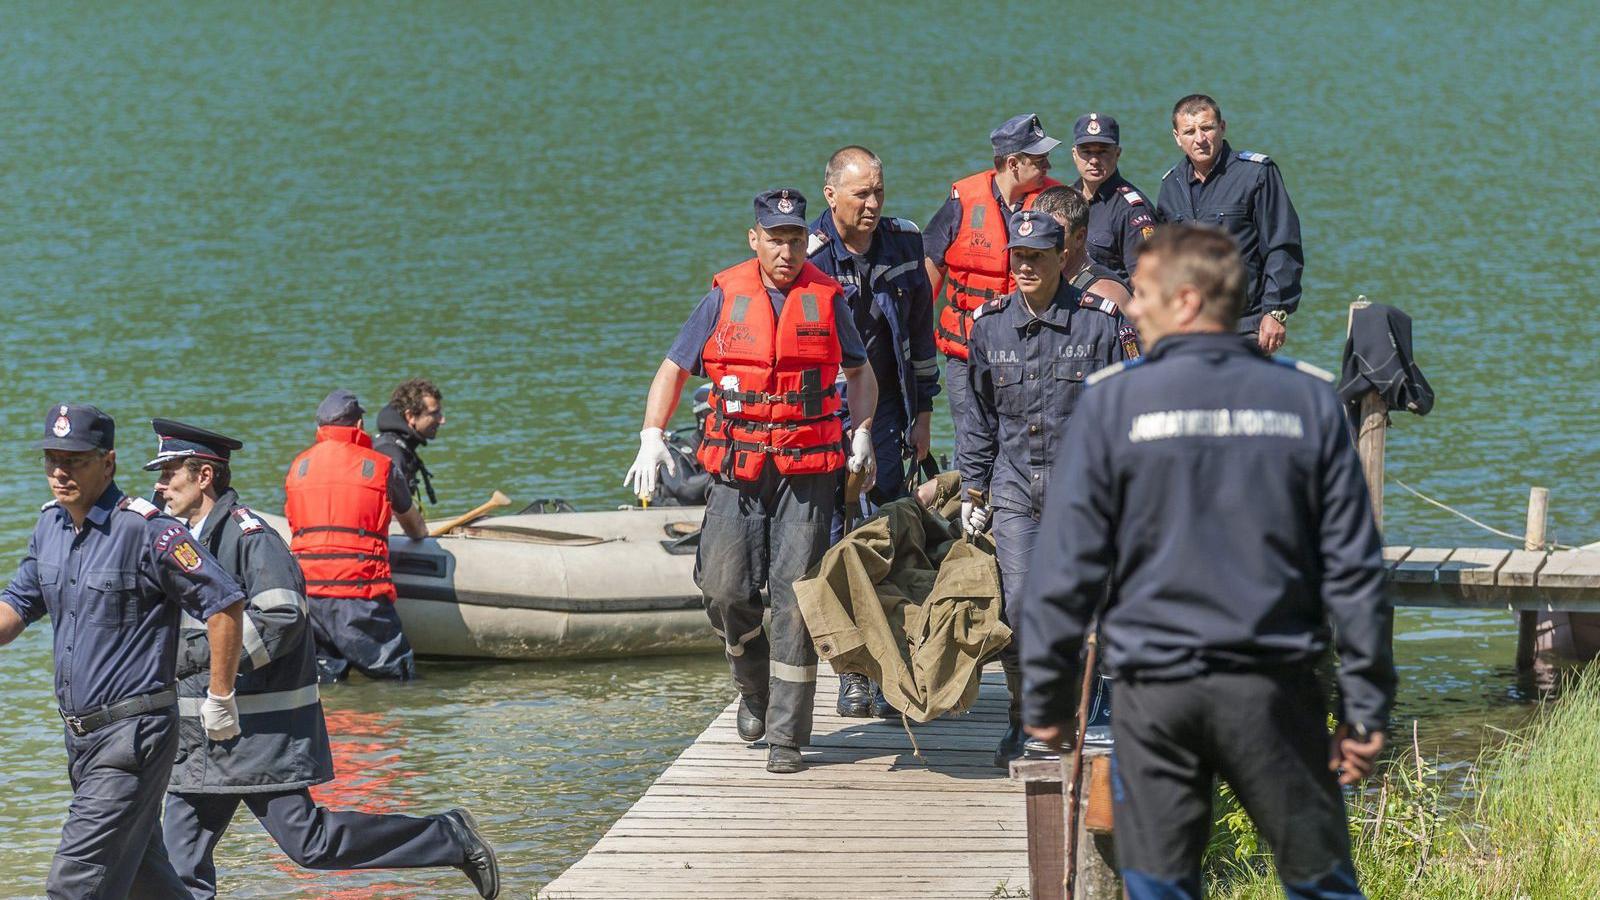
x=411, y=420
x=283, y=748
x=1218, y=492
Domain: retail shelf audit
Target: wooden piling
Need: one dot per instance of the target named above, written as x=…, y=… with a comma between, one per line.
x=1533, y=540
x=1045, y=786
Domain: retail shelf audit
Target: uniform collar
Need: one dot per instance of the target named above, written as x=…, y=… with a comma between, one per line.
x=220, y=510
x=1107, y=187
x=1218, y=169
x=836, y=246
x=1205, y=343
x=101, y=510
x=1058, y=313
x=348, y=434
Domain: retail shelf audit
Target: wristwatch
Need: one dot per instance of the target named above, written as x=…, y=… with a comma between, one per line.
x=1281, y=315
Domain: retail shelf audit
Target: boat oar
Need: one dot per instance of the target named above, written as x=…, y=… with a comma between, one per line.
x=498, y=500
x=1076, y=780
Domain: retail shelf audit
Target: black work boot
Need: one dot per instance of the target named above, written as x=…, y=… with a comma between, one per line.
x=784, y=760
x=855, y=696
x=480, y=865
x=1011, y=742
x=752, y=719
x=880, y=705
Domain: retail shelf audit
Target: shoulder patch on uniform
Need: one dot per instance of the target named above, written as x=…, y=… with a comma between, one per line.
x=139, y=505
x=168, y=535
x=47, y=506
x=1169, y=172
x=815, y=242
x=1129, y=338
x=990, y=306
x=1252, y=156
x=1132, y=196
x=905, y=226
x=1102, y=374
x=1091, y=300
x=248, y=523
x=955, y=193
x=1301, y=365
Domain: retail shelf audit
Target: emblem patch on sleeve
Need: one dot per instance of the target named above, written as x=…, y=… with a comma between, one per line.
x=1130, y=341
x=187, y=557
x=168, y=535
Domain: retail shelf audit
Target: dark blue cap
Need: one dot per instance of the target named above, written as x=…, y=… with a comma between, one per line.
x=1022, y=134
x=77, y=426
x=784, y=206
x=1096, y=129
x=180, y=441
x=340, y=408
x=1041, y=231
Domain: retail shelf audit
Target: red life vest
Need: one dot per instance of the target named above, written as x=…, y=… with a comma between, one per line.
x=977, y=266
x=338, y=509
x=773, y=392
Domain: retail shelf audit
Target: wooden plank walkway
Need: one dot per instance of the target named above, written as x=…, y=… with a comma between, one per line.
x=867, y=819
x=1476, y=578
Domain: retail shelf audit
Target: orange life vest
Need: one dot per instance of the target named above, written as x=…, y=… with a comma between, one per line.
x=338, y=509
x=977, y=266
x=773, y=392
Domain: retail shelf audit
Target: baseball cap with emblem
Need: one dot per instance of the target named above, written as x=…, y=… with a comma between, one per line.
x=180, y=441
x=1031, y=228
x=340, y=408
x=780, y=207
x=1022, y=134
x=1095, y=128
x=77, y=427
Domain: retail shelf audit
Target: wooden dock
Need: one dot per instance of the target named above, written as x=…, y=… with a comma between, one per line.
x=867, y=819
x=1468, y=578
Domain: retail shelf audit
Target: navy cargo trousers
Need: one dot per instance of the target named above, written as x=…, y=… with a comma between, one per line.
x=766, y=534
x=111, y=842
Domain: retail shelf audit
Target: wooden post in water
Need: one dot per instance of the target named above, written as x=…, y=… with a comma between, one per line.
x=1371, y=438
x=1533, y=539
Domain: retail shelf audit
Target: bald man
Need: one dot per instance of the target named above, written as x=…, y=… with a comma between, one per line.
x=878, y=261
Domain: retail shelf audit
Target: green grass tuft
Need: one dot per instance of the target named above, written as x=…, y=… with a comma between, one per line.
x=1531, y=831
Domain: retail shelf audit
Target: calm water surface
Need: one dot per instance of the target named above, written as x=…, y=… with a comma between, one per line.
x=220, y=213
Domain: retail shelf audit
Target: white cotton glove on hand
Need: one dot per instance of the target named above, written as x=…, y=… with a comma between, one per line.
x=974, y=518
x=861, y=455
x=220, y=716
x=642, y=476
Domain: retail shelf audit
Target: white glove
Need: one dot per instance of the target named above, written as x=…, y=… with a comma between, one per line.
x=862, y=458
x=652, y=453
x=974, y=518
x=220, y=716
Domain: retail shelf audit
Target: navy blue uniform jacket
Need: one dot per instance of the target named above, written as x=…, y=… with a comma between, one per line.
x=1220, y=494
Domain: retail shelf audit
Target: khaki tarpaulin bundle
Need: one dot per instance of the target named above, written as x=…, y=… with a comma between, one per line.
x=906, y=601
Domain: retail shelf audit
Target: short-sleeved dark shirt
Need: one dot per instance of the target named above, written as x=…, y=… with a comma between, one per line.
x=114, y=591
x=692, y=337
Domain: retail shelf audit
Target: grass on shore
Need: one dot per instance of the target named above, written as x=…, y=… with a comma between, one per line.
x=1530, y=827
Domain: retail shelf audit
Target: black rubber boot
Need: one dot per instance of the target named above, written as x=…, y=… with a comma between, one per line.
x=1011, y=743
x=751, y=719
x=855, y=697
x=784, y=760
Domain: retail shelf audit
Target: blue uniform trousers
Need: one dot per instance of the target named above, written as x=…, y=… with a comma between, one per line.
x=312, y=836
x=958, y=390
x=365, y=634
x=111, y=843
x=766, y=534
x=1014, y=536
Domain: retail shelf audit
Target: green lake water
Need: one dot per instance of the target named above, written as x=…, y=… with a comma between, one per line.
x=220, y=212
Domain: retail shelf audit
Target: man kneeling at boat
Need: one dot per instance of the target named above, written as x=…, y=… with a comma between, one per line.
x=282, y=748
x=773, y=334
